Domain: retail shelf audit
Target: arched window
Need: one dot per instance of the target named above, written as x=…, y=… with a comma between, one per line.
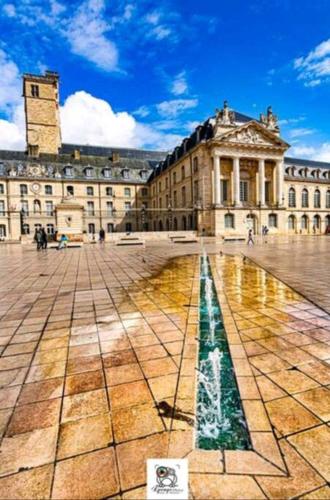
x=316, y=221
x=229, y=221
x=89, y=172
x=68, y=171
x=291, y=222
x=107, y=173
x=3, y=231
x=184, y=223
x=327, y=199
x=292, y=197
x=317, y=198
x=36, y=207
x=175, y=224
x=304, y=198
x=26, y=229
x=304, y=222
x=23, y=189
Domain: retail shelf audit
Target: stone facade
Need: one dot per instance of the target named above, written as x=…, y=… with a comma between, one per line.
x=230, y=175
x=41, y=98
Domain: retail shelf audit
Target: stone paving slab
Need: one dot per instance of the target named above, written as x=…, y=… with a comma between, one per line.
x=97, y=373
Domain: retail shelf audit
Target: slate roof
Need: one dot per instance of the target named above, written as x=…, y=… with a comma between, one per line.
x=299, y=162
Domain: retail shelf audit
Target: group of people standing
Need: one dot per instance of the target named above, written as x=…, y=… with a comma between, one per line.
x=40, y=237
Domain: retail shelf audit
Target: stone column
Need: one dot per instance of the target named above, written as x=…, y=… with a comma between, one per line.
x=261, y=171
x=236, y=181
x=217, y=192
x=279, y=181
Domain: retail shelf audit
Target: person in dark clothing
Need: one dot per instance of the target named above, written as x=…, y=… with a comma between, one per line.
x=38, y=238
x=44, y=239
x=102, y=235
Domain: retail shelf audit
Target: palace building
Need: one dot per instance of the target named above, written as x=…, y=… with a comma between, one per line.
x=230, y=175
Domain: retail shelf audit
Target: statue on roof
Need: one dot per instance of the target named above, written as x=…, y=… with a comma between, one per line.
x=270, y=120
x=225, y=116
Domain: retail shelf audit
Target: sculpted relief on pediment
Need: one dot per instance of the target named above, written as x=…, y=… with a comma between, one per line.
x=249, y=136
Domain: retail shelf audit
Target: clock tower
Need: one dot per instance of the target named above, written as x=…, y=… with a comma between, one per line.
x=41, y=100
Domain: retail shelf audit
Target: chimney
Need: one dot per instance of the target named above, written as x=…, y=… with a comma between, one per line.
x=115, y=157
x=76, y=154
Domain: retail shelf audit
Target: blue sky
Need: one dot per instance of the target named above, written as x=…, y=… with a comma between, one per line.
x=144, y=73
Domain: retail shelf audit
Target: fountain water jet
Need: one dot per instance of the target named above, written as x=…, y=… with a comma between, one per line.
x=220, y=419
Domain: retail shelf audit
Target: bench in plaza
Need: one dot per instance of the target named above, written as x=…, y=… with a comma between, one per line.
x=230, y=239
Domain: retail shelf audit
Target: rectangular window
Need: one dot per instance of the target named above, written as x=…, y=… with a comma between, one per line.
x=127, y=192
x=48, y=189
x=175, y=201
x=25, y=207
x=2, y=207
x=109, y=191
x=90, y=191
x=196, y=191
x=23, y=189
x=267, y=191
x=166, y=182
x=109, y=208
x=244, y=191
x=90, y=208
x=50, y=229
x=272, y=220
x=49, y=208
x=174, y=177
x=160, y=203
x=183, y=196
x=144, y=191
x=224, y=190
x=128, y=206
x=35, y=90
x=2, y=189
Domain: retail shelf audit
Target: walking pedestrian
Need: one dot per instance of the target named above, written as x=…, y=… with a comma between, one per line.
x=101, y=235
x=250, y=238
x=44, y=239
x=38, y=238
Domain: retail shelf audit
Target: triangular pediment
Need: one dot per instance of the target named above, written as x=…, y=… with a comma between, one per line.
x=255, y=134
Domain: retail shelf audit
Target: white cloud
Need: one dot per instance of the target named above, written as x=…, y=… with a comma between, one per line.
x=9, y=9
x=179, y=84
x=142, y=111
x=314, y=68
x=86, y=33
x=299, y=132
x=291, y=121
x=10, y=83
x=320, y=152
x=175, y=107
x=86, y=119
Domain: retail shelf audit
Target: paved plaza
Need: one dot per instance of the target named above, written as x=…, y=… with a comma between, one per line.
x=98, y=368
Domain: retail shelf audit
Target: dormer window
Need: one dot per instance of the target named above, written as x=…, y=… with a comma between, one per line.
x=68, y=171
x=89, y=172
x=125, y=173
x=144, y=174
x=107, y=173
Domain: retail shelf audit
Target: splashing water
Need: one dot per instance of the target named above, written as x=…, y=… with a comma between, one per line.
x=220, y=418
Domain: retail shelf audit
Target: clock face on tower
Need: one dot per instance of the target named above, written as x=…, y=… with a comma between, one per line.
x=35, y=187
